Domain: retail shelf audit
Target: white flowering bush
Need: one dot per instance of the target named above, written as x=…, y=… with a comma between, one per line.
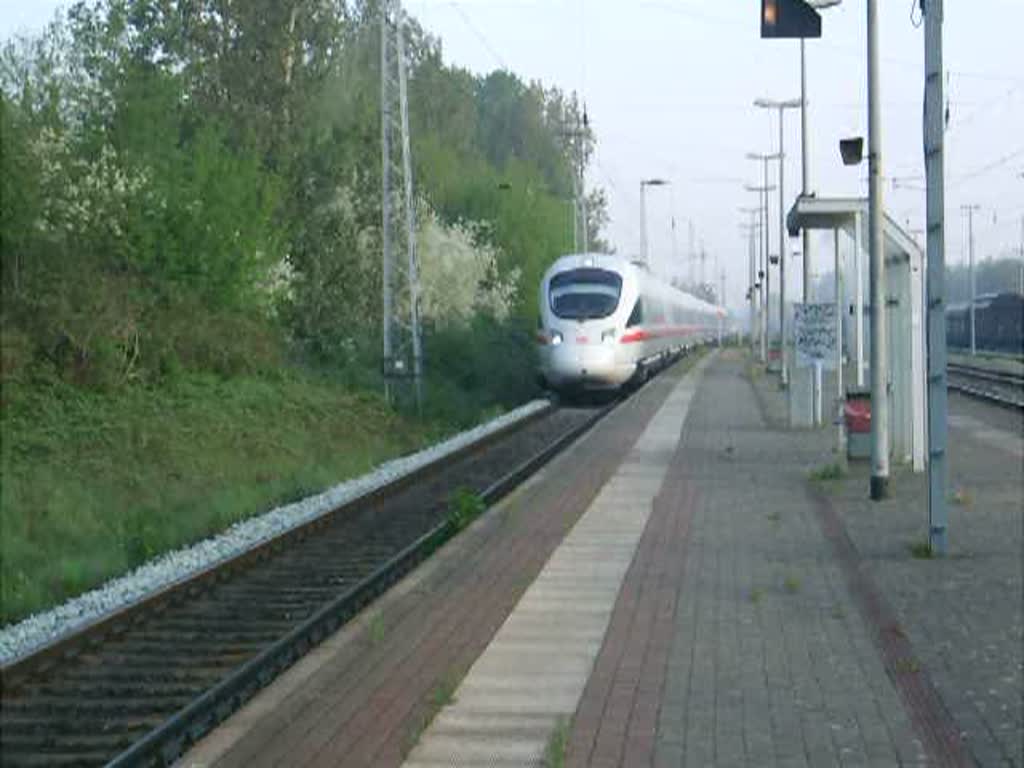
x=459, y=276
x=86, y=200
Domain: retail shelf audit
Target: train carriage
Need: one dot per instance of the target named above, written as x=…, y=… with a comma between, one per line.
x=606, y=321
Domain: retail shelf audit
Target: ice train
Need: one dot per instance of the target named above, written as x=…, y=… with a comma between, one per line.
x=606, y=322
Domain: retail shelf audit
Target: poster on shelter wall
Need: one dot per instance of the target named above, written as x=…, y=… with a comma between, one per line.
x=814, y=335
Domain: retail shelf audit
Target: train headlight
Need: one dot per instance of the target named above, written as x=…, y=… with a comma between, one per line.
x=608, y=336
x=556, y=338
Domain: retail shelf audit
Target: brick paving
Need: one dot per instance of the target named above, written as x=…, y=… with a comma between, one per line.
x=961, y=615
x=735, y=640
x=534, y=670
x=364, y=696
x=765, y=619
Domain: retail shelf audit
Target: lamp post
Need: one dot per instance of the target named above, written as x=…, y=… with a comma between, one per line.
x=766, y=304
x=879, y=310
x=750, y=231
x=805, y=160
x=643, y=215
x=781, y=107
x=762, y=276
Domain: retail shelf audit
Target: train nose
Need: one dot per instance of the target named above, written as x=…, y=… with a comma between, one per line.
x=575, y=362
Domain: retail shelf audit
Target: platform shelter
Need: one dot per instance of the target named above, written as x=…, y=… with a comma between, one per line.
x=905, y=281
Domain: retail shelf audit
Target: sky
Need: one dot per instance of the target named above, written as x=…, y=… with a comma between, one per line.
x=670, y=84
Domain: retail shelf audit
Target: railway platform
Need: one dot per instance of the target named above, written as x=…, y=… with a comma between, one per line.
x=688, y=585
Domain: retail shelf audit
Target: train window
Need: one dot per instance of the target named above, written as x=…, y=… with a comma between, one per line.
x=636, y=317
x=584, y=294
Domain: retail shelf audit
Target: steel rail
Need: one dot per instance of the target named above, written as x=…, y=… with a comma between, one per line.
x=1007, y=380
x=66, y=647
x=165, y=743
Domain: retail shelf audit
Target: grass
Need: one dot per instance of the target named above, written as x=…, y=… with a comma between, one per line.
x=756, y=595
x=440, y=697
x=921, y=549
x=96, y=483
x=791, y=584
x=827, y=473
x=963, y=498
x=906, y=666
x=375, y=630
x=464, y=507
x=554, y=752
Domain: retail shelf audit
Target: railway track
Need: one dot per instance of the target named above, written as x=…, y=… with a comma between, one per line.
x=140, y=686
x=1002, y=387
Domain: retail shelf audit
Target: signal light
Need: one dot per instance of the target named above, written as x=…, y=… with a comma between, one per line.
x=789, y=19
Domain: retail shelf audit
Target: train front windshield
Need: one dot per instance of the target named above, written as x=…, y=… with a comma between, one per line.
x=585, y=294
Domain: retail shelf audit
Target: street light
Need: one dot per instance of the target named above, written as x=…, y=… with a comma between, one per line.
x=781, y=106
x=762, y=277
x=750, y=230
x=765, y=233
x=643, y=214
x=805, y=162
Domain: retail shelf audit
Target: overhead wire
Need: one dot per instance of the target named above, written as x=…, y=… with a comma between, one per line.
x=479, y=35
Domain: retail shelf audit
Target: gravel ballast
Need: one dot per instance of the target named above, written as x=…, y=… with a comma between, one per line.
x=42, y=628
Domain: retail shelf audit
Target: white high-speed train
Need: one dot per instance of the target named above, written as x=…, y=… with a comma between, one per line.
x=606, y=321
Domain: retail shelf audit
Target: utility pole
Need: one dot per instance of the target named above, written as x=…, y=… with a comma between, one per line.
x=805, y=166
x=879, y=308
x=970, y=209
x=762, y=273
x=934, y=151
x=691, y=257
x=751, y=230
x=782, y=106
x=576, y=136
x=398, y=212
x=644, y=252
x=1021, y=285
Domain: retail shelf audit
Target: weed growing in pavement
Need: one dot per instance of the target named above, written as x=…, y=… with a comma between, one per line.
x=554, y=753
x=774, y=517
x=375, y=630
x=906, y=666
x=755, y=595
x=464, y=507
x=827, y=473
x=838, y=612
x=962, y=498
x=440, y=697
x=791, y=584
x=921, y=549
x=443, y=694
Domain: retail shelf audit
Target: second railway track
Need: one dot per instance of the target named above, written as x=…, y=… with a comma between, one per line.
x=1002, y=387
x=137, y=689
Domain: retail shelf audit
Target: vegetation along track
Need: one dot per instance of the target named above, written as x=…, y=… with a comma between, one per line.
x=1001, y=387
x=138, y=688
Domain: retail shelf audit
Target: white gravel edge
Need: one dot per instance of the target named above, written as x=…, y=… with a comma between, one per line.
x=40, y=629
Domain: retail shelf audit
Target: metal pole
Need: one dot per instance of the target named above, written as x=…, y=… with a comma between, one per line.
x=858, y=321
x=1021, y=280
x=753, y=277
x=643, y=223
x=970, y=268
x=385, y=197
x=840, y=302
x=879, y=310
x=410, y=209
x=767, y=303
x=782, y=248
x=934, y=140
x=584, y=225
x=575, y=227
x=805, y=164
